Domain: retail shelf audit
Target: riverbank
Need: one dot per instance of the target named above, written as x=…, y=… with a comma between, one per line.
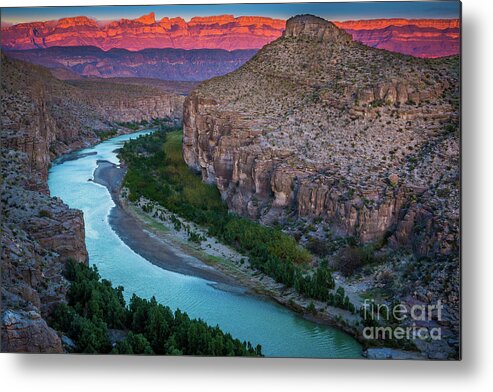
x=141, y=237
x=253, y=318
x=210, y=251
x=150, y=234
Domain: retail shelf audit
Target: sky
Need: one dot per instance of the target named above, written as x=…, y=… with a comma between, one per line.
x=330, y=11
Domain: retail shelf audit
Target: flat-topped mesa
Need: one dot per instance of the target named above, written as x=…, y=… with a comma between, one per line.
x=315, y=28
x=211, y=20
x=76, y=21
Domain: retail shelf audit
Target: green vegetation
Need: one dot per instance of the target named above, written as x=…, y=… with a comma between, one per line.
x=133, y=125
x=161, y=124
x=156, y=171
x=104, y=135
x=352, y=258
x=45, y=214
x=94, y=306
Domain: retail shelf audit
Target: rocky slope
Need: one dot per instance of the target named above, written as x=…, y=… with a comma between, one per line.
x=344, y=140
x=55, y=116
x=167, y=64
x=418, y=37
x=320, y=124
x=41, y=118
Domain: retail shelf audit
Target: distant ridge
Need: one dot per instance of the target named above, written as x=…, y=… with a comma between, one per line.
x=166, y=64
x=417, y=37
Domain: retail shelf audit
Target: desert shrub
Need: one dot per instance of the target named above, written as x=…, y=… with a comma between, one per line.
x=45, y=214
x=352, y=258
x=318, y=246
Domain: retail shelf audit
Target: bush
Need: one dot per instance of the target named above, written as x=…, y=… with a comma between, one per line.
x=318, y=246
x=133, y=344
x=45, y=214
x=104, y=135
x=350, y=259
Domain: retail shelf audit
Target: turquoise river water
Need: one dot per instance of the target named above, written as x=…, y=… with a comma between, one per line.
x=281, y=332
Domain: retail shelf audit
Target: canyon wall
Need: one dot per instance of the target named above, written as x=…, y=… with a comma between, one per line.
x=64, y=116
x=214, y=32
x=417, y=37
x=42, y=118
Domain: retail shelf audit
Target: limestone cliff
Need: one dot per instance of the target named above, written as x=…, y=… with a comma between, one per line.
x=318, y=126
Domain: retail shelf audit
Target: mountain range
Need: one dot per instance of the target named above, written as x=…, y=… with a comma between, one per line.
x=417, y=37
x=165, y=64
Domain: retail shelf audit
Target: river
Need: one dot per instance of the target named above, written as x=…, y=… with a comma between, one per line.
x=281, y=332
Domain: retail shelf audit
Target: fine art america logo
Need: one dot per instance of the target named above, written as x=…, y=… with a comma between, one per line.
x=414, y=322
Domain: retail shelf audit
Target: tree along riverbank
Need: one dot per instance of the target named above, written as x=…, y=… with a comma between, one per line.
x=162, y=191
x=97, y=319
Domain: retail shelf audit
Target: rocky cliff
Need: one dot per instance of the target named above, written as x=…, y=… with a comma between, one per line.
x=320, y=127
x=214, y=32
x=418, y=37
x=45, y=117
x=41, y=118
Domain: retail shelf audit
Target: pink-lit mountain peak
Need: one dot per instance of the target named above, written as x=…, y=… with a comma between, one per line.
x=418, y=37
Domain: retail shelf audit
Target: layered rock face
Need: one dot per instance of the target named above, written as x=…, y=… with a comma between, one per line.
x=41, y=118
x=418, y=37
x=166, y=64
x=38, y=235
x=429, y=38
x=214, y=32
x=127, y=100
x=320, y=127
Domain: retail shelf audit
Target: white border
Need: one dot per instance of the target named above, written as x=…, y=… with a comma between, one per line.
x=474, y=373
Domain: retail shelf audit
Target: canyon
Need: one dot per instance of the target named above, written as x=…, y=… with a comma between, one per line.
x=319, y=129
x=43, y=118
x=353, y=141
x=417, y=37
